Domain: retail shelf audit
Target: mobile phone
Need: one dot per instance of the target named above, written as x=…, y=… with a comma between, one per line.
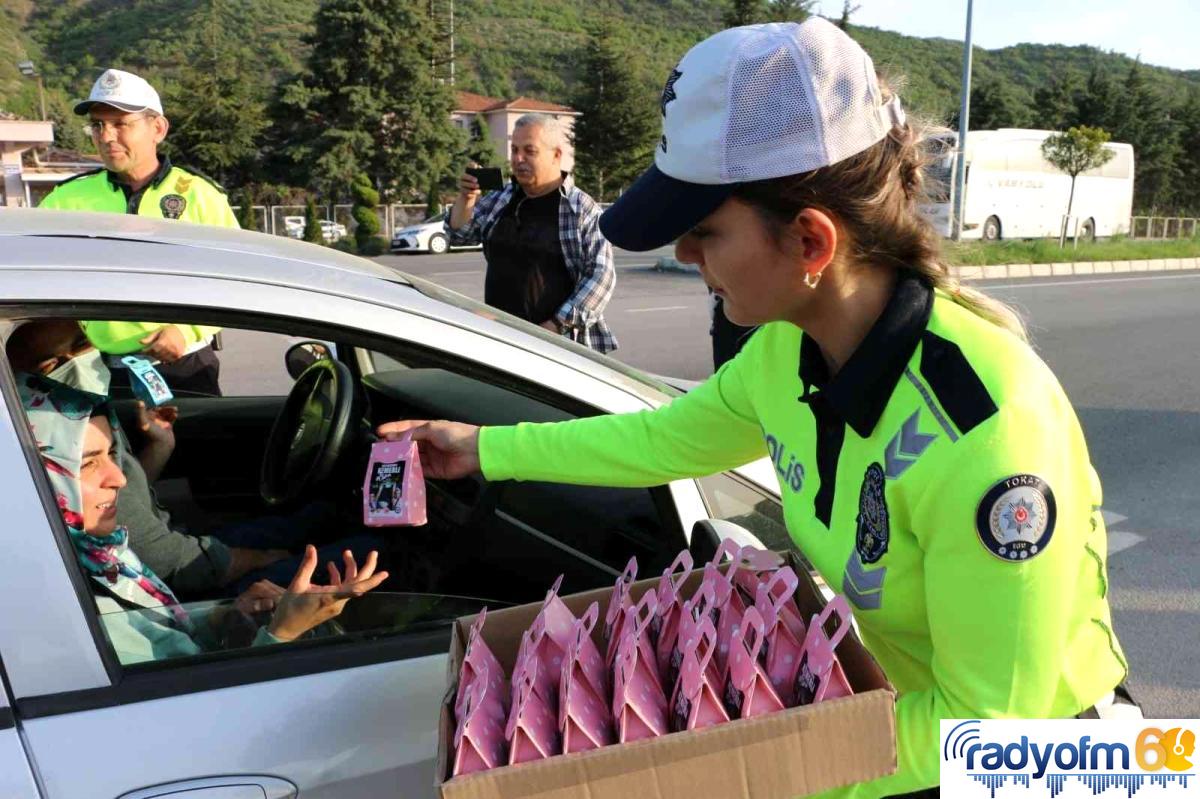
x=489, y=177
x=147, y=384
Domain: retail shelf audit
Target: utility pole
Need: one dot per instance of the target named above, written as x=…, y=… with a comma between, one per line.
x=28, y=70
x=451, y=42
x=964, y=113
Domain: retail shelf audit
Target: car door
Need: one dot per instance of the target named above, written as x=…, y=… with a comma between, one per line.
x=351, y=718
x=16, y=777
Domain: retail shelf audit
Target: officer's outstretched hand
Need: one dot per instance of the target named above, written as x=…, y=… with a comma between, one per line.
x=165, y=344
x=449, y=450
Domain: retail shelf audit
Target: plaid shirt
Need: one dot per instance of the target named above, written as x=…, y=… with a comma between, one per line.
x=587, y=254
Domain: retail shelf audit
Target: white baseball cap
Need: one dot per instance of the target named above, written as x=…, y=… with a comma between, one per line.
x=122, y=90
x=747, y=104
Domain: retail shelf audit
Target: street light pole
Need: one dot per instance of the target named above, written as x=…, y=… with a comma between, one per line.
x=964, y=113
x=28, y=70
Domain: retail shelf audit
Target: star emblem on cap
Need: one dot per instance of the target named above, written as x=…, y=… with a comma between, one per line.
x=669, y=90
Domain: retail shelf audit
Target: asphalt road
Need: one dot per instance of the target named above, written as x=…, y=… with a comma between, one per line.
x=1125, y=350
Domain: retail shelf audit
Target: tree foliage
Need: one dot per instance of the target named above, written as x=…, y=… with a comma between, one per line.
x=217, y=114
x=367, y=101
x=620, y=123
x=1076, y=151
x=744, y=12
x=312, y=223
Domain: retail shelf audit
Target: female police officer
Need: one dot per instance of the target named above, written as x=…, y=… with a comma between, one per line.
x=930, y=464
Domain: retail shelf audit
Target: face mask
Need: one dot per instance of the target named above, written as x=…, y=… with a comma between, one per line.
x=85, y=372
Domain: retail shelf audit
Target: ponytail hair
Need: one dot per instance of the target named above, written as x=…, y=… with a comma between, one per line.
x=876, y=196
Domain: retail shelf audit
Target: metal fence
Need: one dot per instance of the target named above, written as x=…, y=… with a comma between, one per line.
x=1163, y=227
x=288, y=220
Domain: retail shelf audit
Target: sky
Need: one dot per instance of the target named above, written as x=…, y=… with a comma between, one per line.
x=1163, y=32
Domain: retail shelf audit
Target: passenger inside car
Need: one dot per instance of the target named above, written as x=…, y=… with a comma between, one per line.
x=75, y=436
x=234, y=556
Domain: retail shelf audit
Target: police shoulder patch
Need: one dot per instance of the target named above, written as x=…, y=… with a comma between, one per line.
x=1015, y=519
x=874, y=527
x=172, y=206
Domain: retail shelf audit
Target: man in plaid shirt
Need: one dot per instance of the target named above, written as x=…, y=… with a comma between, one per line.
x=547, y=261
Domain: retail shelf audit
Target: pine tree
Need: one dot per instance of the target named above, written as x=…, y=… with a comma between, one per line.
x=619, y=127
x=368, y=101
x=744, y=12
x=1145, y=121
x=1188, y=194
x=994, y=106
x=217, y=116
x=1097, y=102
x=1054, y=104
x=789, y=10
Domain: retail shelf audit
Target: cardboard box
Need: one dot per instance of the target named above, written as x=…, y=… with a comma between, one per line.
x=792, y=753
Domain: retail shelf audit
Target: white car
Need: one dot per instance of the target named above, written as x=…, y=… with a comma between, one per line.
x=352, y=712
x=428, y=236
x=331, y=231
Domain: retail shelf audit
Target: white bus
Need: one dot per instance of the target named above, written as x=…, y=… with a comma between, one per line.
x=1012, y=192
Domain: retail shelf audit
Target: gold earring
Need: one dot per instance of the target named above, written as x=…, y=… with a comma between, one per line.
x=811, y=281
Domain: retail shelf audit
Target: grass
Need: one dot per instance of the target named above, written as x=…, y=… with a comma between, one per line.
x=1042, y=251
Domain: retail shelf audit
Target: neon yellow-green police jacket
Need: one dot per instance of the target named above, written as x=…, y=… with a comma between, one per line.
x=940, y=480
x=173, y=193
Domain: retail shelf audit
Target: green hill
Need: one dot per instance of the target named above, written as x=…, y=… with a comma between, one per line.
x=513, y=47
x=504, y=47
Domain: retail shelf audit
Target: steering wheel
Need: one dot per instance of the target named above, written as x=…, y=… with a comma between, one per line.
x=314, y=428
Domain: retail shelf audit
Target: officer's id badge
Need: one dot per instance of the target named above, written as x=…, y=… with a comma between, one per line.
x=1015, y=519
x=874, y=530
x=172, y=206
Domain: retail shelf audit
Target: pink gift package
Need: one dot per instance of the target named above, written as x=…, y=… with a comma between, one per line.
x=394, y=488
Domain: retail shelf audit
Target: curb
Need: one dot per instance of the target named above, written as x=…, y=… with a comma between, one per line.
x=1007, y=271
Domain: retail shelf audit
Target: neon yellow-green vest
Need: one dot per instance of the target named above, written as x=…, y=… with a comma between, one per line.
x=173, y=193
x=939, y=480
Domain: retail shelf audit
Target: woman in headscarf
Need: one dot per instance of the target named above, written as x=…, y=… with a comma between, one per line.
x=143, y=619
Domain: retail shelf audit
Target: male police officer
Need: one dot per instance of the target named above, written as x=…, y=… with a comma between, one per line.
x=126, y=122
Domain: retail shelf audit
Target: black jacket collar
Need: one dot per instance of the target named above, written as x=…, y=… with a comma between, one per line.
x=164, y=166
x=861, y=389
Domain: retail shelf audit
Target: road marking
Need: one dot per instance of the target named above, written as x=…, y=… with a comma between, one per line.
x=1119, y=540
x=663, y=308
x=1038, y=283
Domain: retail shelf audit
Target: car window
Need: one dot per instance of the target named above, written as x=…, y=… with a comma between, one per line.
x=739, y=501
x=193, y=629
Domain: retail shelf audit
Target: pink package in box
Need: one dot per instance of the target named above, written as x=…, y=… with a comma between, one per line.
x=781, y=645
x=695, y=703
x=531, y=731
x=664, y=627
x=479, y=663
x=820, y=674
x=618, y=603
x=748, y=691
x=699, y=608
x=584, y=718
x=479, y=739
x=394, y=488
x=639, y=704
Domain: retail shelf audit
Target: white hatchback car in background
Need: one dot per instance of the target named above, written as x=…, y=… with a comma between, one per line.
x=351, y=712
x=428, y=236
x=330, y=231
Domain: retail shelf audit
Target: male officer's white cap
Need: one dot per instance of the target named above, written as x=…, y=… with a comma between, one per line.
x=122, y=90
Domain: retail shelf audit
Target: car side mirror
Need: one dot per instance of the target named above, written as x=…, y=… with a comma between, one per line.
x=303, y=355
x=707, y=535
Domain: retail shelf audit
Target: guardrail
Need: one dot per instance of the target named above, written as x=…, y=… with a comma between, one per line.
x=280, y=219
x=1163, y=227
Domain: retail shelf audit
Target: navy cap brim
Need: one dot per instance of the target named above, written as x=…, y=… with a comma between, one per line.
x=83, y=106
x=657, y=209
